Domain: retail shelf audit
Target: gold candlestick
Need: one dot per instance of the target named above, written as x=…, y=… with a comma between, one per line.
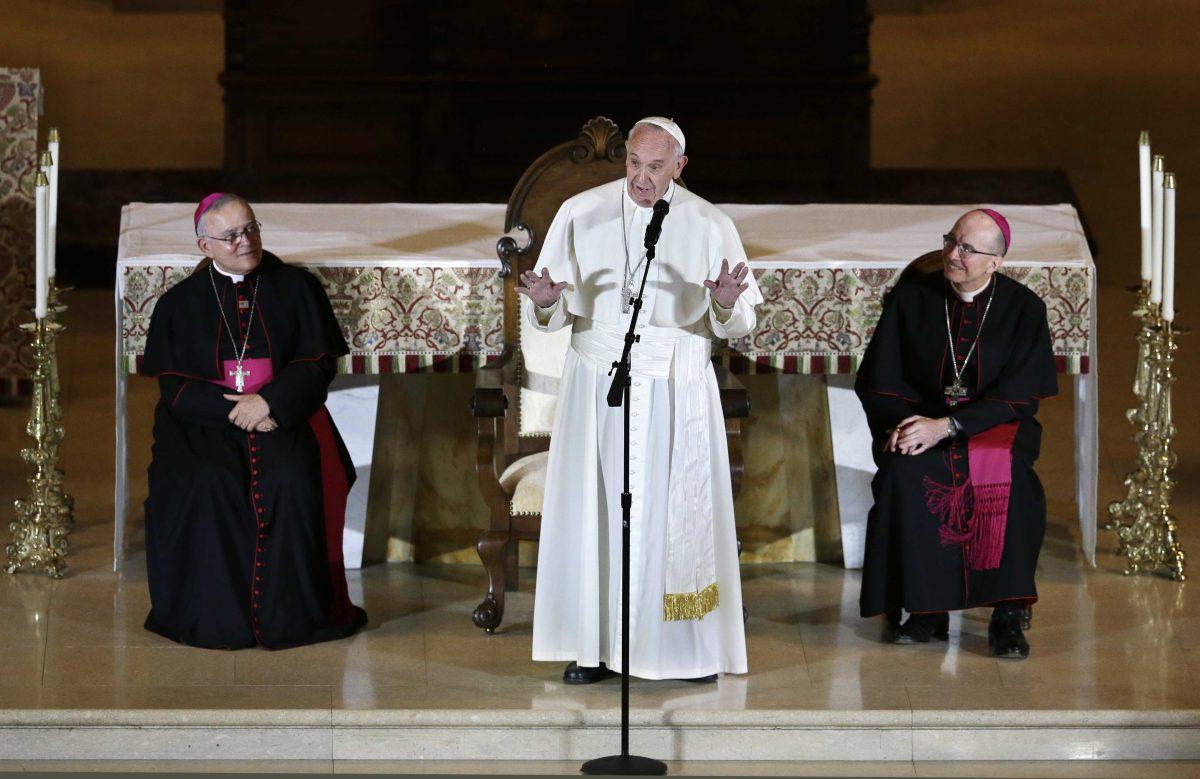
x=54, y=310
x=39, y=531
x=1124, y=512
x=1151, y=541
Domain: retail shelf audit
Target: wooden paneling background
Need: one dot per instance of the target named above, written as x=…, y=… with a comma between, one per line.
x=450, y=101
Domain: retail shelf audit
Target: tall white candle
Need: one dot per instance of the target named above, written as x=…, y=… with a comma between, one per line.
x=52, y=234
x=1144, y=197
x=1156, y=230
x=41, y=279
x=1168, y=302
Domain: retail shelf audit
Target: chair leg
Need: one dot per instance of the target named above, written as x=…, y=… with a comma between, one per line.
x=745, y=611
x=512, y=570
x=490, y=612
x=737, y=465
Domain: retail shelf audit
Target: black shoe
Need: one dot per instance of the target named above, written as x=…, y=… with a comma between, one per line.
x=710, y=679
x=920, y=628
x=1004, y=632
x=581, y=674
x=891, y=626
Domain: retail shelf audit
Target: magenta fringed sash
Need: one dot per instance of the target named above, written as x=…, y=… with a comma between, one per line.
x=975, y=513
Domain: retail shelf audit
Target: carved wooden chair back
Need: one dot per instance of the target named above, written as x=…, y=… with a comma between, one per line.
x=596, y=157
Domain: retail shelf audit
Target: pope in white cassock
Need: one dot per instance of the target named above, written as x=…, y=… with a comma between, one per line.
x=685, y=591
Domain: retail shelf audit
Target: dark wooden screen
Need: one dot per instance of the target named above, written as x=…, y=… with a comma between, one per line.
x=450, y=100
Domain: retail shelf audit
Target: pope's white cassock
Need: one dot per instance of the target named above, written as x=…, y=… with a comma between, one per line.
x=685, y=592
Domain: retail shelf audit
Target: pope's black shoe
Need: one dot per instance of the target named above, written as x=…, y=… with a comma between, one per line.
x=920, y=628
x=710, y=679
x=582, y=674
x=1004, y=632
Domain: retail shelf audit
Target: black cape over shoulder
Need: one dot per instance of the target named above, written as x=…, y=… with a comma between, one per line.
x=243, y=530
x=905, y=370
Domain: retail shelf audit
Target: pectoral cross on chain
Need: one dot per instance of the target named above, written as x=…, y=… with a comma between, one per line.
x=955, y=393
x=239, y=377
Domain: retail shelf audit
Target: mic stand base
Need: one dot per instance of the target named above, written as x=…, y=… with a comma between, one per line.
x=625, y=765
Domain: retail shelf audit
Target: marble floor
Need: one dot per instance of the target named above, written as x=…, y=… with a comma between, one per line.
x=1101, y=640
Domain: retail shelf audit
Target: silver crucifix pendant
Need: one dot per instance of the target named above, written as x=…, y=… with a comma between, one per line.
x=626, y=299
x=239, y=377
x=954, y=394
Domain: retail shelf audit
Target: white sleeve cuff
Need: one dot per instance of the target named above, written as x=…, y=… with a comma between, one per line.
x=720, y=312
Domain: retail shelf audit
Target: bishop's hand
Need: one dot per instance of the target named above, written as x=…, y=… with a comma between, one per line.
x=728, y=285
x=542, y=289
x=917, y=434
x=249, y=411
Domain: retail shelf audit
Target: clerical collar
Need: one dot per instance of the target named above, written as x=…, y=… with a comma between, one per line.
x=969, y=297
x=236, y=278
x=668, y=196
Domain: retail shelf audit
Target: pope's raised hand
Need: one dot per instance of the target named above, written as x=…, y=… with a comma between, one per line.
x=542, y=289
x=728, y=285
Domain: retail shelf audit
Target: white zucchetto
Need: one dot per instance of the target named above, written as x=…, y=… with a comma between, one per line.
x=665, y=124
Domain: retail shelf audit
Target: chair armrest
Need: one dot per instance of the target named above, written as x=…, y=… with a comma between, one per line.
x=488, y=399
x=735, y=401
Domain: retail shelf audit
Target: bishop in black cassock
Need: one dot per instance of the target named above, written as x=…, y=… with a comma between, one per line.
x=249, y=476
x=950, y=384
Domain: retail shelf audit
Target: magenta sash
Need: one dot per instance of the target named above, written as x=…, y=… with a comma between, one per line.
x=975, y=513
x=260, y=373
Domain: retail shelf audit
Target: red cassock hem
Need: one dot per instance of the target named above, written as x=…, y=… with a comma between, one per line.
x=335, y=488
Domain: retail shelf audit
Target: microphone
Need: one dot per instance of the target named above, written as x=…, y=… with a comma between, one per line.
x=654, y=229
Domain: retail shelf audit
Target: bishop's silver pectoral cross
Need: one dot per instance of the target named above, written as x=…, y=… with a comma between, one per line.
x=955, y=393
x=239, y=377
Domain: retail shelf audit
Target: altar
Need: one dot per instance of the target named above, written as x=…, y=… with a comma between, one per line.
x=416, y=289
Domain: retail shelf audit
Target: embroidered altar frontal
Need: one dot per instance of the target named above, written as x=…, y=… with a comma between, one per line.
x=415, y=286
x=20, y=105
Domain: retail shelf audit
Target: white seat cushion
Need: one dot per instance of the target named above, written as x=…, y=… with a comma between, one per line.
x=525, y=481
x=543, y=356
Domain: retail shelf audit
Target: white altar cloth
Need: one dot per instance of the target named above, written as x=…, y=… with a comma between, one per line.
x=777, y=238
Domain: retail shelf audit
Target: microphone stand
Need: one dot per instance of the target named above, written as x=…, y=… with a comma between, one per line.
x=626, y=764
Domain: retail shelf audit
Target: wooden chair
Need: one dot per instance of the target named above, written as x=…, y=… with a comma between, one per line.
x=513, y=399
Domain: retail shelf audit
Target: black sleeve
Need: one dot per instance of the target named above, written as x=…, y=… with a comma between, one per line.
x=886, y=398
x=985, y=414
x=1029, y=376
x=299, y=390
x=885, y=411
x=195, y=400
x=300, y=387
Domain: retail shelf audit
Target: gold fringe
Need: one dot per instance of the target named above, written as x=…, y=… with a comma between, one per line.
x=690, y=605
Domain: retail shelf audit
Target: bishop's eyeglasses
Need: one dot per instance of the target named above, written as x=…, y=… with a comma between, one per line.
x=231, y=237
x=949, y=242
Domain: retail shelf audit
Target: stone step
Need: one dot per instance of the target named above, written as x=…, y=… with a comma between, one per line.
x=580, y=734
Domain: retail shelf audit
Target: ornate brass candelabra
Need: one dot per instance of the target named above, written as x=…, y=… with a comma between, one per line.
x=54, y=310
x=1125, y=512
x=44, y=518
x=1145, y=528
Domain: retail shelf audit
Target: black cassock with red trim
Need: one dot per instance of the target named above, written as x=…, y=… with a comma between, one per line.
x=962, y=523
x=244, y=530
